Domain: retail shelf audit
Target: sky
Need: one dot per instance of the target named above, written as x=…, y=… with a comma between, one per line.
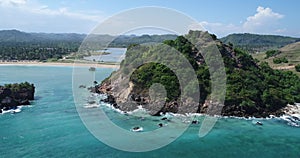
x=221, y=17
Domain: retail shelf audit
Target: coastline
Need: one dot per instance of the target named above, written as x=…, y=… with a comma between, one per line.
x=76, y=64
x=291, y=117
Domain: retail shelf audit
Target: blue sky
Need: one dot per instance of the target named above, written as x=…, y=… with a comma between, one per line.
x=220, y=17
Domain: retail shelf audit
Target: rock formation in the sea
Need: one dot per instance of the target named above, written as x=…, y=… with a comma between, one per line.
x=252, y=88
x=13, y=95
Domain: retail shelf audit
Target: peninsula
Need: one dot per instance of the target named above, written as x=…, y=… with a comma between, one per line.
x=253, y=88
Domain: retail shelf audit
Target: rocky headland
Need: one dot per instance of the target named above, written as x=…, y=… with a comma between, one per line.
x=253, y=89
x=13, y=95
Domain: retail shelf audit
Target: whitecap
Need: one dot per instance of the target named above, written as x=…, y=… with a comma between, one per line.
x=12, y=111
x=89, y=106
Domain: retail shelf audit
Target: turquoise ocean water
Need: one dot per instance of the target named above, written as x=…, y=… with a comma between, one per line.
x=51, y=127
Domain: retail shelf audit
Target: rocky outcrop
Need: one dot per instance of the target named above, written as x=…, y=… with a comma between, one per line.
x=13, y=95
x=250, y=89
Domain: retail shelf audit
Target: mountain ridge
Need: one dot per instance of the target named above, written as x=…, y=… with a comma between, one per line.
x=257, y=42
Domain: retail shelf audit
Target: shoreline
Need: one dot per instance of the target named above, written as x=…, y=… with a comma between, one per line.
x=289, y=110
x=75, y=64
x=291, y=119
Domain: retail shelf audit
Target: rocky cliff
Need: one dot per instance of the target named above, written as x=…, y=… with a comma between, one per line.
x=13, y=95
x=252, y=89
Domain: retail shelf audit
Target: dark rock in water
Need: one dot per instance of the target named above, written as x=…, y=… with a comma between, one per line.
x=195, y=122
x=92, y=89
x=164, y=118
x=136, y=128
x=259, y=123
x=295, y=118
x=115, y=105
x=160, y=125
x=12, y=95
x=110, y=99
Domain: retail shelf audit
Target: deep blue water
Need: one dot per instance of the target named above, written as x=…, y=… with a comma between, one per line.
x=51, y=127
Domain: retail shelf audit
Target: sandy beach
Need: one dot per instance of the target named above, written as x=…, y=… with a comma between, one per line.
x=79, y=64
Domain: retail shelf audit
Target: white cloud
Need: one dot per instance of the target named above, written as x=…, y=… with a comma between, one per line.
x=12, y=2
x=262, y=20
x=265, y=21
x=35, y=17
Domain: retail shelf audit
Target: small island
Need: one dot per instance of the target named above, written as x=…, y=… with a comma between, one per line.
x=13, y=95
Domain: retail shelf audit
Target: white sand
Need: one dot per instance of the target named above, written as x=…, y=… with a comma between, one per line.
x=60, y=64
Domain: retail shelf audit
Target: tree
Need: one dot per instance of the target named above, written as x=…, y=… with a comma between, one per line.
x=280, y=60
x=271, y=53
x=297, y=67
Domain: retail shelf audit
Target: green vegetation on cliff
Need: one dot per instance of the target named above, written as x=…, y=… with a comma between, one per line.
x=252, y=89
x=16, y=87
x=12, y=95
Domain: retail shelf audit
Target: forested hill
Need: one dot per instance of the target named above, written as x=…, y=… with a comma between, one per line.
x=16, y=36
x=17, y=45
x=258, y=43
x=252, y=89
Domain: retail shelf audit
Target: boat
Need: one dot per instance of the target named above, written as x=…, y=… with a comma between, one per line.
x=90, y=106
x=137, y=129
x=82, y=86
x=92, y=69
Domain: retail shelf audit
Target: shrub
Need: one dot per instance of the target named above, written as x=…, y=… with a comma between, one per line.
x=297, y=67
x=271, y=53
x=280, y=60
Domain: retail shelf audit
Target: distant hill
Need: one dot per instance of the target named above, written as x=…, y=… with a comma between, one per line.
x=258, y=43
x=18, y=45
x=290, y=52
x=16, y=36
x=19, y=36
x=125, y=41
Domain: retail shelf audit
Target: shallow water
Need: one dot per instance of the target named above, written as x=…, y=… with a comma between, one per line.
x=116, y=55
x=51, y=127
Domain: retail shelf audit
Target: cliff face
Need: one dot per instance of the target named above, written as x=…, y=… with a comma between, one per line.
x=251, y=89
x=12, y=95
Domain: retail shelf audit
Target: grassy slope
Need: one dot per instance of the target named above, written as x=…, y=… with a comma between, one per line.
x=258, y=43
x=291, y=52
